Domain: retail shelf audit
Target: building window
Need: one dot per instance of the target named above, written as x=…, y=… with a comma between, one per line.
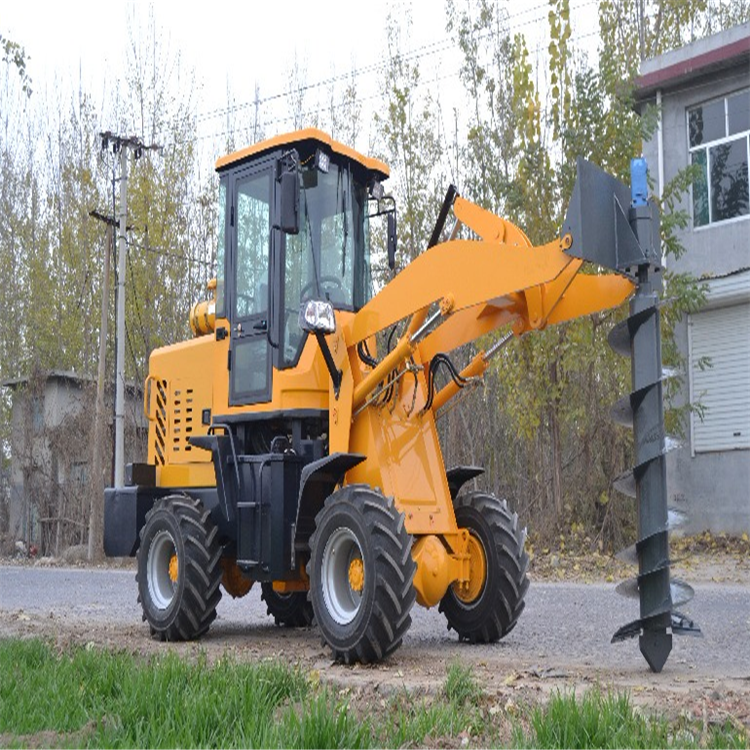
x=37, y=414
x=79, y=474
x=719, y=141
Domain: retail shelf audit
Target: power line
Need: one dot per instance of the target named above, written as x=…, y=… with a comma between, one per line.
x=428, y=49
x=424, y=82
x=171, y=253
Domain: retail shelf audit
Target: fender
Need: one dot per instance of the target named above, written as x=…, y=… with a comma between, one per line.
x=459, y=475
x=317, y=482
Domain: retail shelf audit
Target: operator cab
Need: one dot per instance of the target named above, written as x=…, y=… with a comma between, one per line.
x=294, y=226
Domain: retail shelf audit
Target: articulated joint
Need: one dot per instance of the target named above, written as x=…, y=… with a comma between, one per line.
x=438, y=568
x=294, y=585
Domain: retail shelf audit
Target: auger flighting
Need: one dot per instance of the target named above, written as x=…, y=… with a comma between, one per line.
x=639, y=337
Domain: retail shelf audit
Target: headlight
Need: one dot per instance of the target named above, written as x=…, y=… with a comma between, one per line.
x=316, y=316
x=322, y=161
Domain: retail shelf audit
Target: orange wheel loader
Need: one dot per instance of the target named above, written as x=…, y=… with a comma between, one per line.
x=292, y=441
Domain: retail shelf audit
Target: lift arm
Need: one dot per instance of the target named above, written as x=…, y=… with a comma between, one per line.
x=480, y=285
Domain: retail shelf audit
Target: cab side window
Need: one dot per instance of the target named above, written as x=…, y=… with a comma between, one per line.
x=253, y=242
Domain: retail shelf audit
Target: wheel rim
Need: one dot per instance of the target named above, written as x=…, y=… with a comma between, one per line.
x=342, y=553
x=470, y=591
x=162, y=569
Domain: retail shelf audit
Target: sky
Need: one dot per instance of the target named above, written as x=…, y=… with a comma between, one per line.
x=235, y=46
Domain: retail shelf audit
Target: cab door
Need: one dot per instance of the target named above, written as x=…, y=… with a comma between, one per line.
x=250, y=271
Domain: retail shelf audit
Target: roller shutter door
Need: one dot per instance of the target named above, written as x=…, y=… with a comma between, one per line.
x=723, y=336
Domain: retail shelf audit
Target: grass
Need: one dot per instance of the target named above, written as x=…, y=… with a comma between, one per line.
x=93, y=698
x=121, y=701
x=595, y=721
x=608, y=720
x=460, y=686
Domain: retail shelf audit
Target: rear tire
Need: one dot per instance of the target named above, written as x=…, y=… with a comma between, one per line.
x=179, y=569
x=494, y=605
x=291, y=610
x=361, y=574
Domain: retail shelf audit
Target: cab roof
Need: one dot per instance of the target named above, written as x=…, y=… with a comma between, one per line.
x=307, y=135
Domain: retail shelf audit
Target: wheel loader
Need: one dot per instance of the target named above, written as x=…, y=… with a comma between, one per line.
x=292, y=441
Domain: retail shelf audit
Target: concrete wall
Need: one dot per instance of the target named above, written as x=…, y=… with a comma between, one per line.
x=713, y=489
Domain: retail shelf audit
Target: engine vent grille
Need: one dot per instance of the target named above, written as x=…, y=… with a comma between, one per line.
x=182, y=423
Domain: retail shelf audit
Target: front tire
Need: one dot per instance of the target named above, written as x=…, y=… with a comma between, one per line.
x=290, y=610
x=179, y=569
x=488, y=608
x=361, y=574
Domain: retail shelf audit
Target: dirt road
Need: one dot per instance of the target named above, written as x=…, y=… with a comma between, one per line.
x=562, y=640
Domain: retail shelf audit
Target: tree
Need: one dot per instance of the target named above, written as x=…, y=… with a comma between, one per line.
x=14, y=54
x=409, y=142
x=344, y=115
x=554, y=388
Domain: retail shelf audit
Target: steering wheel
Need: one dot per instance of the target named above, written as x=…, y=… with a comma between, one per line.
x=248, y=300
x=332, y=280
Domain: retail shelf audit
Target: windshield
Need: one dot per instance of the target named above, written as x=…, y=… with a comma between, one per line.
x=330, y=257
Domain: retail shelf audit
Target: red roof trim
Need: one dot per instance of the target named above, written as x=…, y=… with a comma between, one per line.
x=693, y=64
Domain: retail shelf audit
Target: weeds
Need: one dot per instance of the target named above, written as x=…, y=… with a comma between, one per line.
x=594, y=721
x=460, y=686
x=92, y=698
x=608, y=720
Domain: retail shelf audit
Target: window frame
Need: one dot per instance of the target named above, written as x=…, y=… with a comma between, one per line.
x=244, y=334
x=705, y=148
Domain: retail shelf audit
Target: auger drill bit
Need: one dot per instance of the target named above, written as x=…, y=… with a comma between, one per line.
x=650, y=475
x=658, y=595
x=619, y=228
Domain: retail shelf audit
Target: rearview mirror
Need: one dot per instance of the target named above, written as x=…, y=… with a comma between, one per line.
x=289, y=193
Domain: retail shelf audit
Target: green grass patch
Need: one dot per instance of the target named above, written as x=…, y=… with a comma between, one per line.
x=609, y=720
x=92, y=698
x=95, y=698
x=409, y=721
x=595, y=720
x=460, y=686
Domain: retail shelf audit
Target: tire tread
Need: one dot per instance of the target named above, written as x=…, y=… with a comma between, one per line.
x=394, y=597
x=501, y=604
x=196, y=609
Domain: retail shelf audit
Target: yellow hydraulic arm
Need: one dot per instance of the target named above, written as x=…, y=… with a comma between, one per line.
x=479, y=286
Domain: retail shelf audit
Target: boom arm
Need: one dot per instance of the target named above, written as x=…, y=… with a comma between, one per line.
x=480, y=285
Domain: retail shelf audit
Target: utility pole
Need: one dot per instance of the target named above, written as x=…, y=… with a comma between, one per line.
x=121, y=145
x=122, y=249
x=97, y=478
